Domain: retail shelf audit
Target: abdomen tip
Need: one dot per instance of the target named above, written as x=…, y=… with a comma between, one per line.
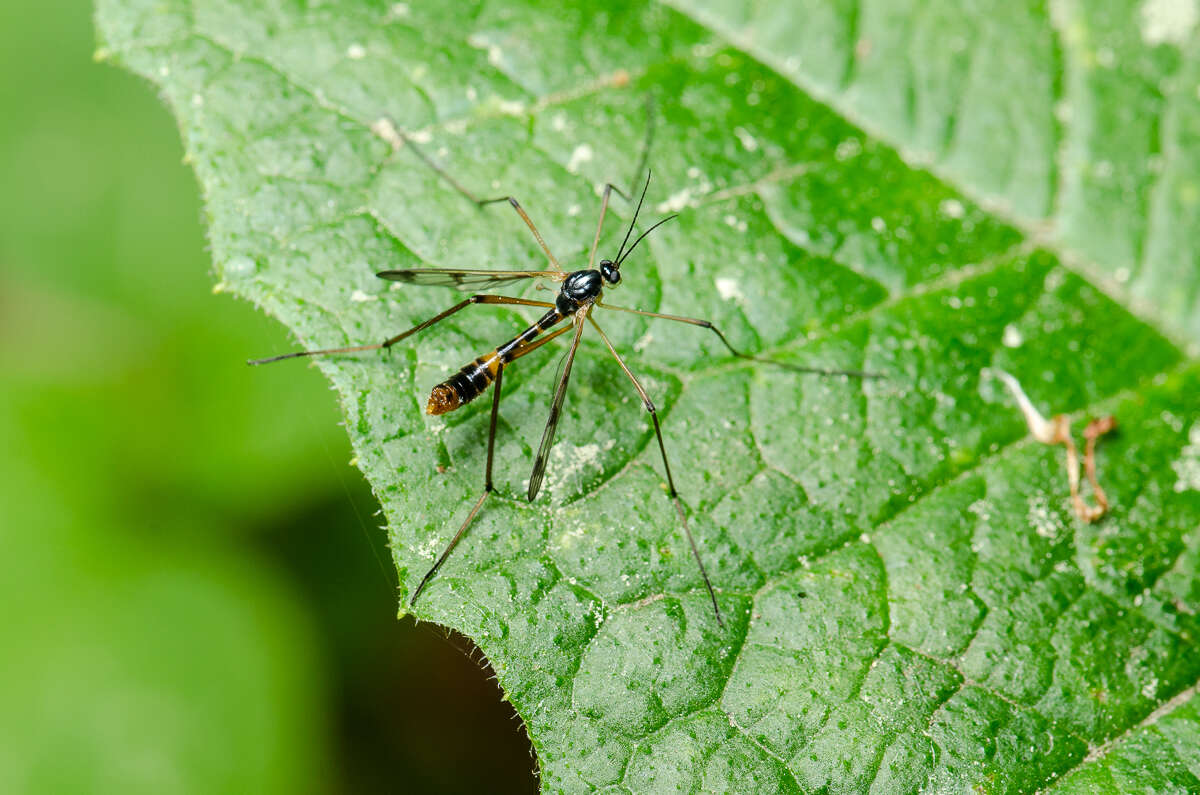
x=442, y=400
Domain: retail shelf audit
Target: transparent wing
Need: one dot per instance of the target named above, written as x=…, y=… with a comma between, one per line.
x=539, y=464
x=462, y=279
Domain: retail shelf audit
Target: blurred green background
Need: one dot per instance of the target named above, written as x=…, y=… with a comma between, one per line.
x=196, y=594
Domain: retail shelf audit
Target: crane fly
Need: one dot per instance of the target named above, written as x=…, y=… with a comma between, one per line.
x=580, y=292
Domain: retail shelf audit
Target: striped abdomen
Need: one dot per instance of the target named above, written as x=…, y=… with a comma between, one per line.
x=473, y=380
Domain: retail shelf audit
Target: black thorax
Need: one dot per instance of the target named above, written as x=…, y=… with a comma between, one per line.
x=578, y=289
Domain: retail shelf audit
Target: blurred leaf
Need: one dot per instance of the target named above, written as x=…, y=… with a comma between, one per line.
x=910, y=602
x=143, y=649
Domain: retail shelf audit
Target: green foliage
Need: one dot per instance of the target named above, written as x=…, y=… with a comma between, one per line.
x=138, y=652
x=910, y=603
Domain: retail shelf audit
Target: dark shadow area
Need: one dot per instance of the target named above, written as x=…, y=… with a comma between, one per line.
x=417, y=706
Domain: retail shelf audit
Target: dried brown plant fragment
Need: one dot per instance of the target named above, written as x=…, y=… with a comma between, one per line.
x=1057, y=430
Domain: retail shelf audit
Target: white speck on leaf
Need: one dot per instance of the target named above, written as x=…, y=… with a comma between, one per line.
x=1045, y=522
x=1168, y=21
x=730, y=290
x=429, y=547
x=982, y=509
x=577, y=531
x=952, y=208
x=495, y=54
x=1012, y=337
x=734, y=222
x=511, y=107
x=676, y=201
x=385, y=129
x=1187, y=466
x=851, y=147
x=582, y=154
x=359, y=295
x=749, y=143
x=356, y=52
x=566, y=460
x=239, y=267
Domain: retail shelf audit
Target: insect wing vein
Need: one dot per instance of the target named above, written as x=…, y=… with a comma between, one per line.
x=560, y=394
x=461, y=279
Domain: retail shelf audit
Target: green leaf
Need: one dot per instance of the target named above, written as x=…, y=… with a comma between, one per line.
x=1077, y=121
x=910, y=602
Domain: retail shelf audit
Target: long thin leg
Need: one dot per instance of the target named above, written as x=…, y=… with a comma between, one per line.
x=609, y=189
x=487, y=478
x=543, y=453
x=389, y=342
x=662, y=448
x=533, y=346
x=643, y=158
x=708, y=325
x=487, y=488
x=458, y=186
x=648, y=139
x=538, y=235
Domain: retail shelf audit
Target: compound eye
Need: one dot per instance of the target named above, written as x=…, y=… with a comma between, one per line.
x=609, y=271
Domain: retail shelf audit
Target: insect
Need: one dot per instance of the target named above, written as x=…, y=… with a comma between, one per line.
x=579, y=294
